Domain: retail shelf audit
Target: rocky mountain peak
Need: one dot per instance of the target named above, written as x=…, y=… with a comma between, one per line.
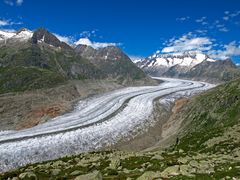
x=190, y=64
x=42, y=35
x=23, y=30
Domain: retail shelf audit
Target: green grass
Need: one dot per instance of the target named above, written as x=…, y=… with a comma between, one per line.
x=14, y=79
x=209, y=115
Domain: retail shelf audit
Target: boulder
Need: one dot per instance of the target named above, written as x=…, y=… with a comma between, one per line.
x=55, y=172
x=149, y=175
x=158, y=157
x=183, y=160
x=170, y=171
x=95, y=175
x=76, y=173
x=28, y=176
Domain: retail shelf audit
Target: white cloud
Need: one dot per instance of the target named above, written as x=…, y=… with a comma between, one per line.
x=224, y=21
x=200, y=20
x=4, y=22
x=95, y=45
x=229, y=15
x=226, y=12
x=229, y=50
x=135, y=58
x=183, y=18
x=66, y=39
x=88, y=34
x=237, y=13
x=191, y=42
x=188, y=43
x=84, y=41
x=223, y=29
x=201, y=31
x=226, y=18
x=9, y=2
x=13, y=2
x=19, y=2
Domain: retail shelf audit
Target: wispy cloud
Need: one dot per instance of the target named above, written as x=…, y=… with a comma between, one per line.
x=226, y=18
x=8, y=22
x=229, y=50
x=9, y=2
x=223, y=29
x=89, y=34
x=19, y=2
x=95, y=45
x=223, y=24
x=200, y=20
x=191, y=42
x=66, y=39
x=135, y=58
x=183, y=18
x=3, y=22
x=188, y=43
x=229, y=15
x=201, y=32
x=13, y=2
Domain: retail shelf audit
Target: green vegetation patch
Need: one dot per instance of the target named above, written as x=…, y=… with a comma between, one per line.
x=14, y=79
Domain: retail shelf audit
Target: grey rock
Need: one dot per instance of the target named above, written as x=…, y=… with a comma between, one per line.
x=96, y=175
x=158, y=157
x=76, y=173
x=149, y=175
x=55, y=172
x=171, y=171
x=28, y=176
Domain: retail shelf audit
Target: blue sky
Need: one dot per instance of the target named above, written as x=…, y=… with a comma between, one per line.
x=140, y=27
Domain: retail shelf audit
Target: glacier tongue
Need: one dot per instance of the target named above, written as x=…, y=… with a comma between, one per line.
x=95, y=123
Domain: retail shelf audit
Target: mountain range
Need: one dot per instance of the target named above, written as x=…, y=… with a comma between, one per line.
x=189, y=65
x=38, y=59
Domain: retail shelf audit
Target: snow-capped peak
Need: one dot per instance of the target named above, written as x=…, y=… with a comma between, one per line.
x=20, y=35
x=6, y=34
x=23, y=34
x=186, y=59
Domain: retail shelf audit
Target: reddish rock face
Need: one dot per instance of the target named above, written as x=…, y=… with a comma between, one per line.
x=42, y=114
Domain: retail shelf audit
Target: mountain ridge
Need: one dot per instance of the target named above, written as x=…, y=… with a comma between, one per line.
x=43, y=50
x=190, y=65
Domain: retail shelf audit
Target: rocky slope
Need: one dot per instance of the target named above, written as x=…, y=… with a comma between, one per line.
x=112, y=61
x=190, y=65
x=219, y=71
x=27, y=109
x=205, y=147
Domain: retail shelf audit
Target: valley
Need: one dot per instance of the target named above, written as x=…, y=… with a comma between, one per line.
x=112, y=116
x=74, y=106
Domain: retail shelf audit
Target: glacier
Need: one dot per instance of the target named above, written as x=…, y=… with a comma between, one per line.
x=95, y=123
